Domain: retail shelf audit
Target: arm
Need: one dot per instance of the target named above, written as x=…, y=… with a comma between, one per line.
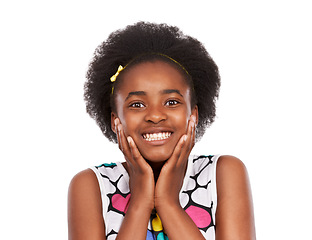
x=176, y=222
x=135, y=223
x=234, y=215
x=85, y=220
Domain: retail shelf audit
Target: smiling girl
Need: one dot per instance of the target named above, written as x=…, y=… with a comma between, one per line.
x=152, y=90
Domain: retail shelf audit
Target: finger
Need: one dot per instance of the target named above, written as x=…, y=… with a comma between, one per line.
x=177, y=150
x=189, y=142
x=191, y=132
x=133, y=148
x=123, y=143
x=181, y=150
x=193, y=135
x=138, y=158
x=121, y=137
x=118, y=132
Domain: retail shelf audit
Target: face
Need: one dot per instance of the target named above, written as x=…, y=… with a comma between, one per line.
x=153, y=103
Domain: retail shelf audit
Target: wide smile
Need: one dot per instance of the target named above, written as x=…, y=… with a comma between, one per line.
x=157, y=136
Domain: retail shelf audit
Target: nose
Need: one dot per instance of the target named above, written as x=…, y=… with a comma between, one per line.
x=155, y=114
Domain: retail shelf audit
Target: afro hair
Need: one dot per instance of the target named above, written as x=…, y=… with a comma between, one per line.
x=145, y=39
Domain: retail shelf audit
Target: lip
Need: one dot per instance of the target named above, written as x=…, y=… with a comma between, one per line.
x=156, y=130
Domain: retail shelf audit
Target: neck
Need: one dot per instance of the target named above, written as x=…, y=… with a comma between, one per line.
x=156, y=166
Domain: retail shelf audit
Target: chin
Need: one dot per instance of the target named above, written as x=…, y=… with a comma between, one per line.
x=157, y=156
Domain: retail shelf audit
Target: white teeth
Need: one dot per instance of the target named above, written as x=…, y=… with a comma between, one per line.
x=156, y=136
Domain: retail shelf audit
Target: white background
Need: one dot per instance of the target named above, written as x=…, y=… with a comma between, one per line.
x=263, y=50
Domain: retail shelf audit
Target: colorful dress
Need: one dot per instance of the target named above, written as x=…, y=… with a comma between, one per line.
x=198, y=197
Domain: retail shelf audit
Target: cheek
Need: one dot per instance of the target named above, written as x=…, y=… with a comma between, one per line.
x=181, y=120
x=129, y=124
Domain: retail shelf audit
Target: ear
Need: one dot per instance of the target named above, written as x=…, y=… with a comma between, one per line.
x=195, y=113
x=113, y=117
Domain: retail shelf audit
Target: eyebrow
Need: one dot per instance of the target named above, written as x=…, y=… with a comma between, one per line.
x=143, y=93
x=167, y=91
x=136, y=93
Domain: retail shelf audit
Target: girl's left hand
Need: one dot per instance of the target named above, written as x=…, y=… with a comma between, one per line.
x=171, y=177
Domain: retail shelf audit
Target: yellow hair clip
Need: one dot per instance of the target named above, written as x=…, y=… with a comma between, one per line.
x=113, y=78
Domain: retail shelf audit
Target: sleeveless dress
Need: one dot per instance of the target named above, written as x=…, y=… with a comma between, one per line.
x=198, y=197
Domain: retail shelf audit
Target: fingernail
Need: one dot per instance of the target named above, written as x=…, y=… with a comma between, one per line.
x=184, y=138
x=129, y=139
x=193, y=118
x=115, y=122
x=118, y=127
x=192, y=123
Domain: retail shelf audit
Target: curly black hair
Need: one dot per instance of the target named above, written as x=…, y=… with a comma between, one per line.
x=144, y=42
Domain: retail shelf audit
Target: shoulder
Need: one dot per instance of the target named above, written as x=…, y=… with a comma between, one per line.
x=84, y=189
x=230, y=167
x=234, y=215
x=84, y=206
x=232, y=177
x=83, y=181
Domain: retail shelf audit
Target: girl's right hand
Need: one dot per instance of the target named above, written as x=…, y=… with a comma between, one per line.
x=142, y=185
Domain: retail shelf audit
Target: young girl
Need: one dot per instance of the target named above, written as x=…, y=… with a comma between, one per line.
x=152, y=90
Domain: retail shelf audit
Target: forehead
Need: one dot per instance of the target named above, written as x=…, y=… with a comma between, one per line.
x=152, y=77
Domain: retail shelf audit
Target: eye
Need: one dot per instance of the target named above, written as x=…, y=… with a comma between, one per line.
x=136, y=105
x=172, y=102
